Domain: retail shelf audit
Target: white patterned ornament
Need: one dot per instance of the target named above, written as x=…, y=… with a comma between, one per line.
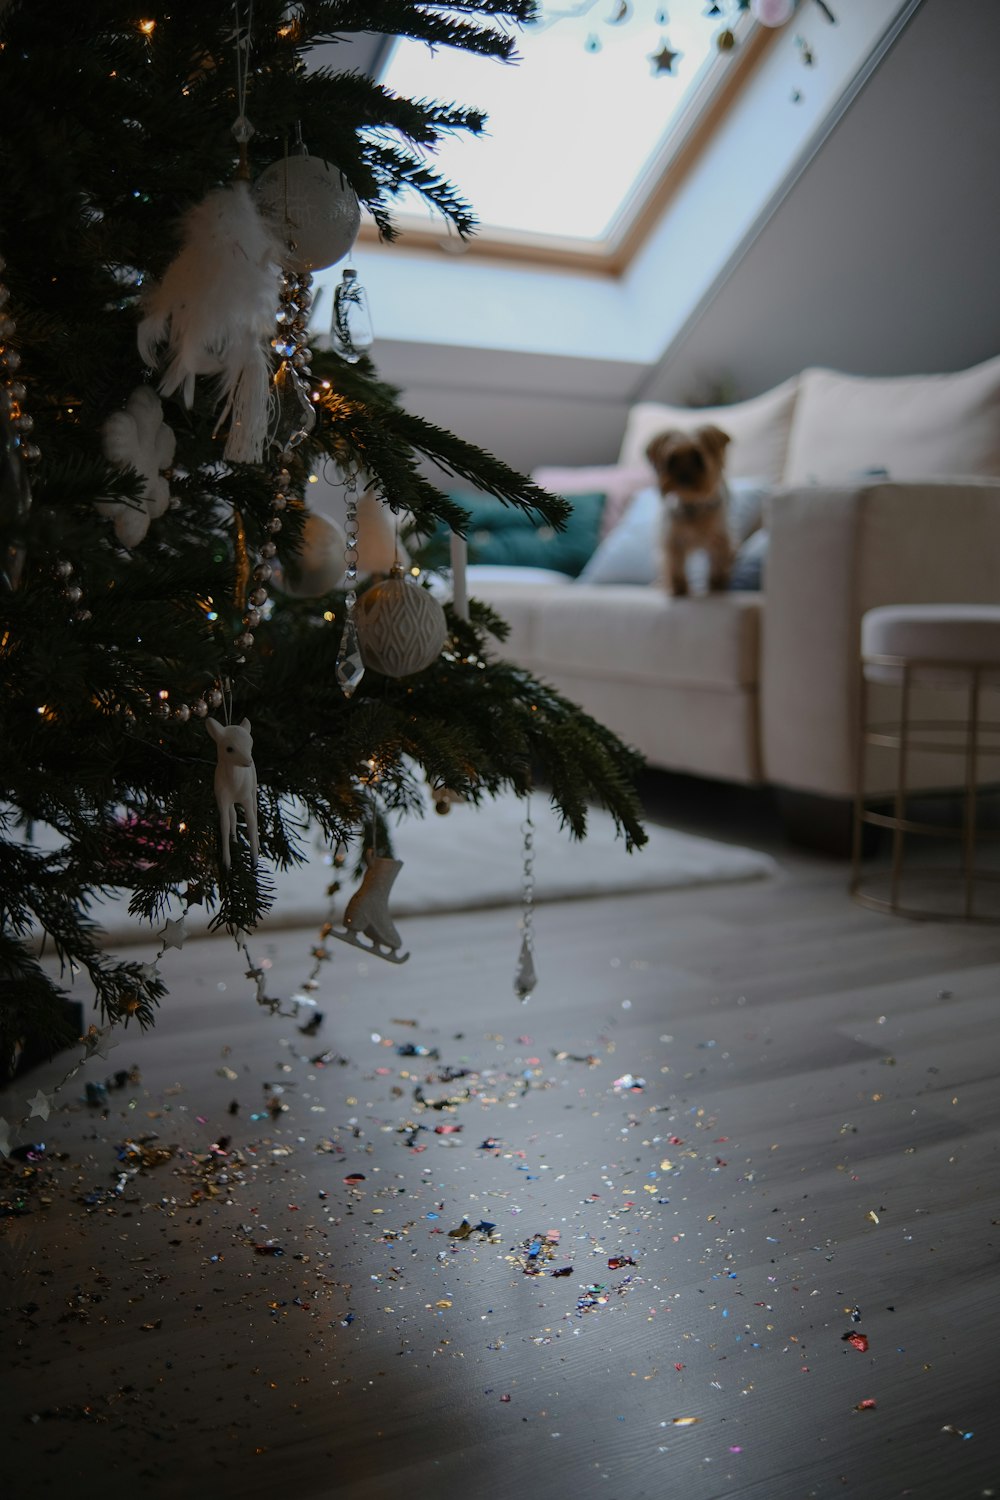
x=313, y=209
x=401, y=627
x=138, y=438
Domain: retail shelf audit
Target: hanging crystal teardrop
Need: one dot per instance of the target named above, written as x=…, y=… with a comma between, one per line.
x=349, y=668
x=525, y=979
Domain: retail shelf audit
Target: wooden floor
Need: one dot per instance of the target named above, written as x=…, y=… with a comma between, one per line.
x=733, y=1129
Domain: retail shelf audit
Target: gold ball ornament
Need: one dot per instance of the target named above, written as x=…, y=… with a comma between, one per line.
x=401, y=627
x=313, y=208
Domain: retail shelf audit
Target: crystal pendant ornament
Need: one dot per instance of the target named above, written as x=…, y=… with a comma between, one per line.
x=350, y=667
x=525, y=977
x=351, y=330
x=293, y=413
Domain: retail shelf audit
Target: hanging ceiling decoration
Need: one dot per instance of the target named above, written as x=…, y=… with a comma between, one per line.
x=666, y=59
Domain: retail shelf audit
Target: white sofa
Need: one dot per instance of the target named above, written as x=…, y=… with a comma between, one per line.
x=762, y=687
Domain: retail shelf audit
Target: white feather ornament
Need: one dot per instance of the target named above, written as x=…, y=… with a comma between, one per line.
x=214, y=310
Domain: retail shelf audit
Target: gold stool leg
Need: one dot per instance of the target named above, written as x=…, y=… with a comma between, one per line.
x=899, y=801
x=859, y=783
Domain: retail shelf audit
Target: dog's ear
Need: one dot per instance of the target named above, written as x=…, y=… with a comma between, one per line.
x=714, y=439
x=660, y=446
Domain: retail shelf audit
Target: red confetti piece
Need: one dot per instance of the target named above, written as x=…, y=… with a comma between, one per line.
x=859, y=1341
x=447, y=1129
x=867, y=1405
x=615, y=1262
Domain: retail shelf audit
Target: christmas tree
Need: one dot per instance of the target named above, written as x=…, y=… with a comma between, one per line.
x=160, y=428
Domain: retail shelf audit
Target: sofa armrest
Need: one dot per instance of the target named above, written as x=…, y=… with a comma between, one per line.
x=835, y=553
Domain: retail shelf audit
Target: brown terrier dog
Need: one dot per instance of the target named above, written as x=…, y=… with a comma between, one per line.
x=689, y=470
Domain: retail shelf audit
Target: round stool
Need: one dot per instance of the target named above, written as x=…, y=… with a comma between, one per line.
x=912, y=647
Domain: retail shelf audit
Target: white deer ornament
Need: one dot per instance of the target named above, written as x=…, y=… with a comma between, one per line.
x=235, y=783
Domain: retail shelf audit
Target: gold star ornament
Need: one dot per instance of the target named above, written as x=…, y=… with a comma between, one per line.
x=664, y=60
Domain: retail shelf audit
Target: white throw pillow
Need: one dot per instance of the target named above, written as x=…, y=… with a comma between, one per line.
x=759, y=429
x=631, y=553
x=914, y=426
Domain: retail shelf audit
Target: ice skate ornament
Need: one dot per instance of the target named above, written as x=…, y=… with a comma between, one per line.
x=138, y=438
x=367, y=914
x=235, y=784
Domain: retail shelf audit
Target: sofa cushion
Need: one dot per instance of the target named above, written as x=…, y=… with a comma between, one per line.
x=631, y=552
x=632, y=634
x=616, y=482
x=750, y=561
x=759, y=430
x=505, y=536
x=913, y=427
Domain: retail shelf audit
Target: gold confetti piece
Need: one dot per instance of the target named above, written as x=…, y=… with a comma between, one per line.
x=686, y=1421
x=444, y=1302
x=666, y=1165
x=871, y=1214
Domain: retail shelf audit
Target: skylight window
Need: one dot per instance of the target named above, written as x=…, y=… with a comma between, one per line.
x=574, y=130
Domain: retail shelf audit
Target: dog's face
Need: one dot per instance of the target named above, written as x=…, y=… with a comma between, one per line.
x=689, y=464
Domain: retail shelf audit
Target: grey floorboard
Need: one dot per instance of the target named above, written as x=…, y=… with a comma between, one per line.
x=806, y=1065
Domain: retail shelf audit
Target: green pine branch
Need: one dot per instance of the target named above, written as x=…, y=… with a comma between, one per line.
x=108, y=136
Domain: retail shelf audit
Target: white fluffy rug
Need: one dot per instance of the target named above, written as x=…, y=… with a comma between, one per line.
x=472, y=858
